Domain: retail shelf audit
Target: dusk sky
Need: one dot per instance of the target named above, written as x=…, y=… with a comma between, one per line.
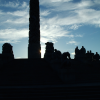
x=66, y=23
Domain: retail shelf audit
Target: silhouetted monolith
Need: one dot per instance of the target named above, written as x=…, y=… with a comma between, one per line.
x=34, y=46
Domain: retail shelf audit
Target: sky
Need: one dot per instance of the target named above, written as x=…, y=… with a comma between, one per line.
x=66, y=23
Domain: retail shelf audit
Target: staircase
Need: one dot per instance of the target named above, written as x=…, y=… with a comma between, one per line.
x=34, y=78
x=51, y=92
x=23, y=72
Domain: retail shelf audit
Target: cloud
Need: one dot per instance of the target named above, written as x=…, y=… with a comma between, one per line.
x=96, y=1
x=72, y=42
x=17, y=57
x=75, y=27
x=45, y=13
x=52, y=32
x=14, y=24
x=53, y=2
x=16, y=19
x=42, y=52
x=24, y=5
x=15, y=4
x=88, y=16
x=9, y=41
x=10, y=4
x=19, y=13
x=61, y=0
x=13, y=35
x=65, y=16
x=43, y=46
x=79, y=35
x=64, y=5
x=78, y=13
x=73, y=53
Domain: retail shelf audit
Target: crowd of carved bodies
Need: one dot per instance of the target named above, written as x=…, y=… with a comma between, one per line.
x=7, y=52
x=52, y=54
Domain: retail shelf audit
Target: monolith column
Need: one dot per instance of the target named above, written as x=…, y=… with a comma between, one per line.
x=34, y=47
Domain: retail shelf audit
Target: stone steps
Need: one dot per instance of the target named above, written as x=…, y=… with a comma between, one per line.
x=28, y=72
x=51, y=92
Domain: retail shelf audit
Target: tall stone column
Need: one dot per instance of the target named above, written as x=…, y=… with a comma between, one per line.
x=34, y=46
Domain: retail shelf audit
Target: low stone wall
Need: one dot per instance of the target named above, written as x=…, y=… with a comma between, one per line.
x=78, y=72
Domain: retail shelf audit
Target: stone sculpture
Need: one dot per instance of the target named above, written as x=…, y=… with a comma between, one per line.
x=96, y=57
x=49, y=51
x=66, y=60
x=66, y=55
x=66, y=64
x=80, y=54
x=56, y=54
x=89, y=56
x=90, y=51
x=34, y=22
x=7, y=52
x=83, y=50
x=34, y=47
x=77, y=51
x=7, y=48
x=49, y=47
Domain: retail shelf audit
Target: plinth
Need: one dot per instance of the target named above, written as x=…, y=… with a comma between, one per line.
x=34, y=50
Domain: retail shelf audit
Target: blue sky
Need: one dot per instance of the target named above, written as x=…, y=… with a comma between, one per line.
x=66, y=23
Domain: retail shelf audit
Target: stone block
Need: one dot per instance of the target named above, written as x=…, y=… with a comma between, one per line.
x=34, y=50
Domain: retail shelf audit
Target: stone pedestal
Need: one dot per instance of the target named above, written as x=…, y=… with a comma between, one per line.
x=34, y=50
x=79, y=57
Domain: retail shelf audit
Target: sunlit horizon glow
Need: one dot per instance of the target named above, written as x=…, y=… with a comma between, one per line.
x=66, y=23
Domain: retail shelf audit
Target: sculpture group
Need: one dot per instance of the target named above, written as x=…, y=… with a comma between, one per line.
x=7, y=53
x=34, y=48
x=52, y=54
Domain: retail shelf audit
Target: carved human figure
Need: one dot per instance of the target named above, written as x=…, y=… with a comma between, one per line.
x=7, y=50
x=96, y=57
x=49, y=47
x=56, y=54
x=77, y=50
x=65, y=55
x=66, y=61
x=90, y=51
x=34, y=22
x=87, y=51
x=49, y=50
x=83, y=50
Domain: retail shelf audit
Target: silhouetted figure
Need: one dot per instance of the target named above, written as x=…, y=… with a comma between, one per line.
x=77, y=50
x=66, y=60
x=89, y=56
x=90, y=51
x=7, y=48
x=96, y=56
x=87, y=51
x=66, y=55
x=7, y=52
x=49, y=47
x=83, y=50
x=56, y=54
x=80, y=54
x=34, y=46
x=49, y=51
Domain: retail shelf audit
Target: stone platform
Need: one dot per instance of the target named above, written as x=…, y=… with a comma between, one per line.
x=36, y=79
x=20, y=72
x=51, y=92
